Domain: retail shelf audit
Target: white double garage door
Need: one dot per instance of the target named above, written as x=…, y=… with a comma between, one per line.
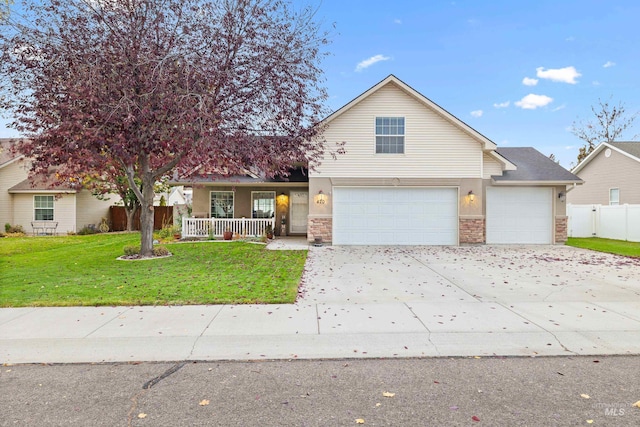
x=429, y=216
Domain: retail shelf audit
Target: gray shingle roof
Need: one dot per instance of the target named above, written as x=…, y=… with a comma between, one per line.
x=6, y=153
x=532, y=166
x=630, y=147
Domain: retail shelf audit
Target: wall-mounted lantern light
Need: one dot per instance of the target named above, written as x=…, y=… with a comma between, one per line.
x=321, y=198
x=562, y=196
x=282, y=198
x=471, y=196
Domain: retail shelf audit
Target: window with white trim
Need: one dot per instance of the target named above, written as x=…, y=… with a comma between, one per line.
x=263, y=203
x=389, y=135
x=222, y=204
x=43, y=208
x=614, y=196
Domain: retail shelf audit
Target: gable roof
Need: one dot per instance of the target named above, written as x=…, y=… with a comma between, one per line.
x=533, y=167
x=7, y=156
x=488, y=146
x=40, y=185
x=629, y=149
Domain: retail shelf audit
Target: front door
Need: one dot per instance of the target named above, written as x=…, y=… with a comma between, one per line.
x=299, y=211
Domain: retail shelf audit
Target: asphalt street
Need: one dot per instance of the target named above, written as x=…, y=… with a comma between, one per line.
x=541, y=391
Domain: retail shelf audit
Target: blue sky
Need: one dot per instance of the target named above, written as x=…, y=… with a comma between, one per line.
x=518, y=71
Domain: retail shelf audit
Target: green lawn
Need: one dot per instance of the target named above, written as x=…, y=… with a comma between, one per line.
x=83, y=270
x=619, y=247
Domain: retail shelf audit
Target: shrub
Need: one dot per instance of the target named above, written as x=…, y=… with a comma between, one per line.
x=160, y=251
x=132, y=250
x=87, y=229
x=103, y=226
x=16, y=229
x=168, y=231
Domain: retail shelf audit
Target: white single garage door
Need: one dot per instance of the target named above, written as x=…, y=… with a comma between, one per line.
x=519, y=215
x=395, y=216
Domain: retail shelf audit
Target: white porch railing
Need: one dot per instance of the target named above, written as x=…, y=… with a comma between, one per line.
x=204, y=227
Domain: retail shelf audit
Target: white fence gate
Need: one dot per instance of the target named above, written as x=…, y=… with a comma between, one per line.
x=620, y=222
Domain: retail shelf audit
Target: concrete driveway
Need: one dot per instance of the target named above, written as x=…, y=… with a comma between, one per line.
x=504, y=274
x=481, y=299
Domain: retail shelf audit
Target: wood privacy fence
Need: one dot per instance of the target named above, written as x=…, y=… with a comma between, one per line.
x=620, y=222
x=163, y=215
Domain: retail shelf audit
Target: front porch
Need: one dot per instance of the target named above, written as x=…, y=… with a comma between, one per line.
x=215, y=227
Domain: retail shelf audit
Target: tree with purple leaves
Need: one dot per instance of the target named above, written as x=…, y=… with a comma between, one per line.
x=142, y=89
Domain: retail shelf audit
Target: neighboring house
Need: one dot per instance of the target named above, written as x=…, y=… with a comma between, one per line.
x=611, y=175
x=412, y=174
x=23, y=201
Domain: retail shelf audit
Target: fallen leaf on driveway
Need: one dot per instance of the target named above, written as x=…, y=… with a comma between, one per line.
x=387, y=394
x=589, y=421
x=586, y=396
x=637, y=404
x=203, y=402
x=359, y=421
x=476, y=419
x=142, y=415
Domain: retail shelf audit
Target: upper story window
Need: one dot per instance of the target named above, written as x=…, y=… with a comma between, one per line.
x=43, y=208
x=614, y=196
x=390, y=135
x=222, y=204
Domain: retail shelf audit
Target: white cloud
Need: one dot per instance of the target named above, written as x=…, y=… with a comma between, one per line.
x=560, y=107
x=477, y=113
x=595, y=83
x=370, y=61
x=563, y=75
x=528, y=81
x=533, y=101
x=569, y=147
x=609, y=64
x=502, y=104
x=397, y=21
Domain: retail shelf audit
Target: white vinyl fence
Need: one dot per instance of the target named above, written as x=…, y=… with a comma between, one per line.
x=620, y=222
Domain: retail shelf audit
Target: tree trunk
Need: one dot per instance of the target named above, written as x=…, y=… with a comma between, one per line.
x=146, y=217
x=130, y=212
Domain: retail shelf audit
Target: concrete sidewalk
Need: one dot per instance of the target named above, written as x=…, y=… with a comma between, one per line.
x=368, y=302
x=123, y=334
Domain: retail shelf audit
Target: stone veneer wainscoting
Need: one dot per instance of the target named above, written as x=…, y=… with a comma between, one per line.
x=319, y=227
x=472, y=230
x=561, y=229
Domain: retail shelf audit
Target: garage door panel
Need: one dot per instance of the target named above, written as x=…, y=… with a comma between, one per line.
x=522, y=215
x=395, y=216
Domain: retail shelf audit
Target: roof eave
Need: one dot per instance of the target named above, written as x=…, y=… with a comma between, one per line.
x=536, y=183
x=596, y=151
x=508, y=166
x=41, y=191
x=15, y=159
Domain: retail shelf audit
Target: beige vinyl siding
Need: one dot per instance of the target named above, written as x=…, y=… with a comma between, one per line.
x=603, y=173
x=434, y=147
x=90, y=210
x=64, y=211
x=10, y=175
x=490, y=166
